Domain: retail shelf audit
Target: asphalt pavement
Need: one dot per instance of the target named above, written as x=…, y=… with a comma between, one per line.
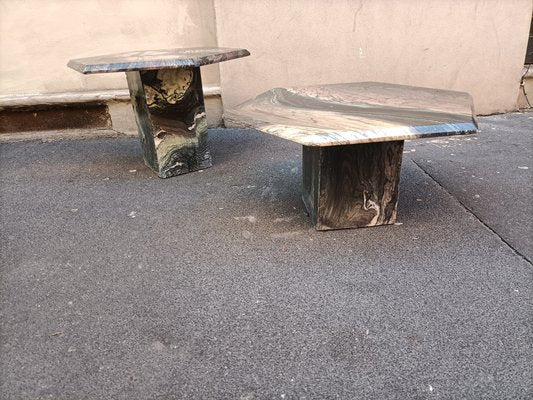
x=116, y=284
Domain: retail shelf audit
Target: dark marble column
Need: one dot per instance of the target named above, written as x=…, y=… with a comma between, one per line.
x=352, y=186
x=170, y=114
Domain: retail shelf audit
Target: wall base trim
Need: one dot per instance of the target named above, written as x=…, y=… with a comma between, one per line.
x=91, y=111
x=67, y=98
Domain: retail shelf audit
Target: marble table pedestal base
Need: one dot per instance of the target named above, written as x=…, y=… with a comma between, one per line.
x=170, y=114
x=352, y=186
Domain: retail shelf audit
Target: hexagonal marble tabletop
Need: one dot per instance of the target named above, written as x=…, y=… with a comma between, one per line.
x=155, y=59
x=355, y=113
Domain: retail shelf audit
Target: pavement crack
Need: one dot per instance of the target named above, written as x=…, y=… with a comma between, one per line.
x=470, y=211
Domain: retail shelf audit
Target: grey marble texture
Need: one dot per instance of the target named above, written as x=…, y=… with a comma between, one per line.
x=352, y=186
x=352, y=136
x=155, y=59
x=166, y=94
x=170, y=114
x=355, y=113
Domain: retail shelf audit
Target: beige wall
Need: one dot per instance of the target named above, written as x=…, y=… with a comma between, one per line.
x=38, y=37
x=472, y=45
x=476, y=46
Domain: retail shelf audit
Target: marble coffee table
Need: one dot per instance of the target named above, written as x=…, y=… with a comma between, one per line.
x=166, y=93
x=352, y=136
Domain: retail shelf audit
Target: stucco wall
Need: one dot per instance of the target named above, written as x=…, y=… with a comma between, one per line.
x=38, y=37
x=476, y=46
x=472, y=45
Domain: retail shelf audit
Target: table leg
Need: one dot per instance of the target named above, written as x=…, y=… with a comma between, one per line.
x=352, y=186
x=170, y=114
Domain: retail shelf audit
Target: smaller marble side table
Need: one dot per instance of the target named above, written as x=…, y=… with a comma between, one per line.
x=166, y=93
x=352, y=136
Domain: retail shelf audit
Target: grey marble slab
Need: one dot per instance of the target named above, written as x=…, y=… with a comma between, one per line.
x=155, y=59
x=355, y=113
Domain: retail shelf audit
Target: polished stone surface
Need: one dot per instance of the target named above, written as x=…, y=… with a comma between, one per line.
x=155, y=59
x=352, y=186
x=170, y=115
x=350, y=177
x=166, y=93
x=355, y=113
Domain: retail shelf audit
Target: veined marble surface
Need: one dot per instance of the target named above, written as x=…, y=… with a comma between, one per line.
x=155, y=59
x=354, y=113
x=170, y=114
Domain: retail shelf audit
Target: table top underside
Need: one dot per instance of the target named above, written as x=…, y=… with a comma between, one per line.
x=355, y=113
x=155, y=59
